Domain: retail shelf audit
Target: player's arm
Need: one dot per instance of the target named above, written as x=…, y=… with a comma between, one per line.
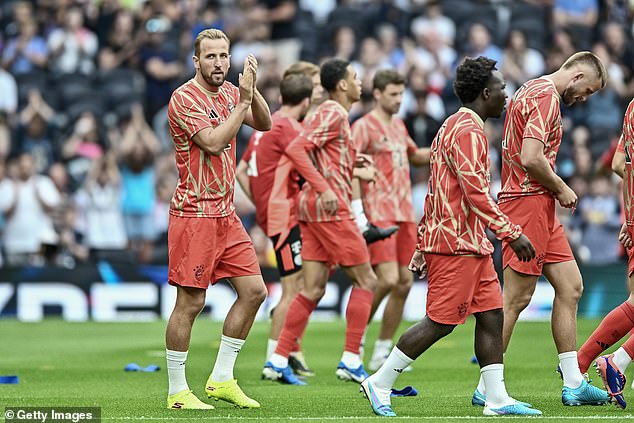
x=215, y=140
x=469, y=156
x=618, y=163
x=420, y=157
x=618, y=160
x=537, y=166
x=243, y=178
x=258, y=116
x=298, y=152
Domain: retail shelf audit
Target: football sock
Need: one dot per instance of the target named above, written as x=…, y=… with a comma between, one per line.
x=357, y=315
x=493, y=376
x=294, y=325
x=481, y=387
x=359, y=215
x=176, y=371
x=386, y=376
x=226, y=359
x=613, y=327
x=382, y=348
x=279, y=361
x=570, y=369
x=270, y=348
x=622, y=357
x=351, y=360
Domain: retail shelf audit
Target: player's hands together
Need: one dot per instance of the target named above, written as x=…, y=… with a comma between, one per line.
x=567, y=197
x=246, y=81
x=329, y=200
x=417, y=264
x=523, y=248
x=363, y=160
x=624, y=237
x=367, y=173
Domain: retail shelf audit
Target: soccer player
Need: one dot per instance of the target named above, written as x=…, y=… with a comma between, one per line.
x=206, y=239
x=311, y=70
x=619, y=321
x=324, y=155
x=262, y=172
x=454, y=248
x=387, y=201
x=530, y=187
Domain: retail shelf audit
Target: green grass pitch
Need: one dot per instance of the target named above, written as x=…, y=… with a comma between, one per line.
x=81, y=364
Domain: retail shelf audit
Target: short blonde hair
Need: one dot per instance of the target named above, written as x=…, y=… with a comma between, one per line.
x=212, y=34
x=590, y=59
x=301, y=68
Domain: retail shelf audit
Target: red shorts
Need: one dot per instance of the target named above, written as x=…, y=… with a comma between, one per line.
x=459, y=286
x=205, y=250
x=337, y=242
x=398, y=247
x=537, y=216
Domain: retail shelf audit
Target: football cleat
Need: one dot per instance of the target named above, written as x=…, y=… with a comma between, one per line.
x=408, y=391
x=229, y=391
x=379, y=399
x=373, y=233
x=612, y=377
x=515, y=409
x=345, y=373
x=186, y=400
x=282, y=375
x=299, y=366
x=480, y=400
x=585, y=394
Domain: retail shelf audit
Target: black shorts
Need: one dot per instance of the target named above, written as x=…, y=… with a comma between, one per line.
x=288, y=256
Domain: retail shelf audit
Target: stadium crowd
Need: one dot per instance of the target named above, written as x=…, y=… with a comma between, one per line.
x=86, y=160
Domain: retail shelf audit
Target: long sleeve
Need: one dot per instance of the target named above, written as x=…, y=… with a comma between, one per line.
x=298, y=151
x=471, y=164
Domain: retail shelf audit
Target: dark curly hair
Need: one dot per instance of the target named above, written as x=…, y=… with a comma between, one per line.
x=472, y=76
x=333, y=71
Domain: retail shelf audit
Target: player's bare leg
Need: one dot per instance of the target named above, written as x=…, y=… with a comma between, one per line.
x=189, y=303
x=221, y=384
x=517, y=294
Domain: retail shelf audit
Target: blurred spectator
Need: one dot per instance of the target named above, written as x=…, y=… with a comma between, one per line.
x=479, y=43
x=420, y=125
x=432, y=19
x=520, y=63
x=343, y=43
x=371, y=59
x=26, y=52
x=84, y=145
x=34, y=131
x=27, y=200
x=579, y=17
x=160, y=65
x=69, y=248
x=9, y=90
x=99, y=201
x=72, y=47
x=601, y=221
x=388, y=38
x=137, y=152
x=120, y=49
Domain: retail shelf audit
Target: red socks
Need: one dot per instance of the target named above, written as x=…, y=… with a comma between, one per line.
x=613, y=327
x=357, y=315
x=296, y=320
